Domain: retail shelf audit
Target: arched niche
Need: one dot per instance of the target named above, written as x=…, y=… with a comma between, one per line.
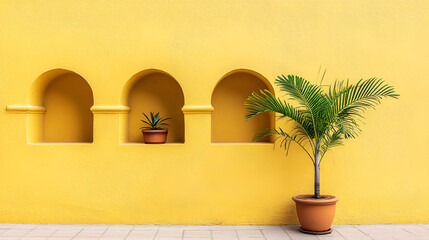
x=67, y=99
x=153, y=91
x=228, y=98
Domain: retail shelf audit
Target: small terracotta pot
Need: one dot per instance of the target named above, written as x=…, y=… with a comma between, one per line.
x=155, y=136
x=315, y=215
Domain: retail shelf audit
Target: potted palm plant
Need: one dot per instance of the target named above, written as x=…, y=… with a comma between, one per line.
x=318, y=121
x=155, y=132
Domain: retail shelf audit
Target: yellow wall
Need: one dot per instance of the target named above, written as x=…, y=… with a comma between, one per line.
x=381, y=177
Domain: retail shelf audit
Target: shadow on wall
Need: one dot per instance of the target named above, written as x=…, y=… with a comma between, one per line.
x=154, y=91
x=67, y=98
x=228, y=117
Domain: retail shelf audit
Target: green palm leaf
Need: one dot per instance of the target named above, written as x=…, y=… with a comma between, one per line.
x=266, y=102
x=332, y=139
x=349, y=102
x=309, y=97
x=286, y=139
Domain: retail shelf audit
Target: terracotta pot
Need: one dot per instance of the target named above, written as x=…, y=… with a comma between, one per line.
x=315, y=215
x=155, y=136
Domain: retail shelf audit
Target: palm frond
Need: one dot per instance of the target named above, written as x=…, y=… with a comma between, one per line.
x=285, y=139
x=349, y=102
x=310, y=97
x=330, y=140
x=266, y=102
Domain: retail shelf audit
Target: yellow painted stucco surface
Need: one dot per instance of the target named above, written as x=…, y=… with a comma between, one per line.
x=381, y=177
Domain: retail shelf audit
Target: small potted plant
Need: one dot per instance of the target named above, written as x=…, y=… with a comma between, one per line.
x=318, y=122
x=154, y=133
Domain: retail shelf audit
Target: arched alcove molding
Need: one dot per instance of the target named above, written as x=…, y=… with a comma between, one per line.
x=228, y=98
x=250, y=72
x=152, y=90
x=63, y=99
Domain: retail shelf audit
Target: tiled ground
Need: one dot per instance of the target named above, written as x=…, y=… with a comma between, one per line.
x=191, y=232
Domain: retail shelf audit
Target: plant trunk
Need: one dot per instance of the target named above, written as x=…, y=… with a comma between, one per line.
x=316, y=173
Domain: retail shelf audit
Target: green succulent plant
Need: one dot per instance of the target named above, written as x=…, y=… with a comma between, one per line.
x=319, y=120
x=155, y=122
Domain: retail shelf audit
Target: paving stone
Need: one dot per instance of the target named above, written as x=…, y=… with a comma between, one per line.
x=197, y=234
x=223, y=227
x=246, y=227
x=334, y=235
x=385, y=232
x=415, y=229
x=171, y=233
x=72, y=226
x=41, y=232
x=84, y=238
x=146, y=227
x=172, y=227
x=225, y=238
x=142, y=233
x=140, y=237
x=66, y=232
x=97, y=226
x=48, y=226
x=274, y=233
x=197, y=227
x=252, y=238
x=198, y=238
x=270, y=227
x=112, y=238
x=202, y=232
x=351, y=233
x=116, y=232
x=168, y=238
x=249, y=233
x=278, y=238
x=19, y=232
x=122, y=226
x=224, y=234
x=90, y=233
x=295, y=234
x=34, y=238
x=17, y=226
